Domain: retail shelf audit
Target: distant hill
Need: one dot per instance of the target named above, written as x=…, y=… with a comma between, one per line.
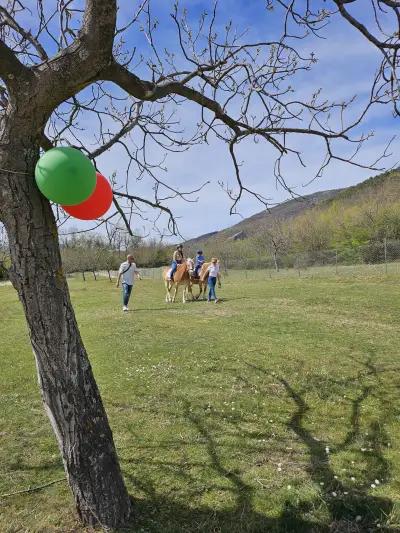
x=387, y=184
x=251, y=225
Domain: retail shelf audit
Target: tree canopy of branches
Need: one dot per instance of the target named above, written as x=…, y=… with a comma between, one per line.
x=376, y=20
x=70, y=67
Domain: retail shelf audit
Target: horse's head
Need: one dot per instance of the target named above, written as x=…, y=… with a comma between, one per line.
x=190, y=265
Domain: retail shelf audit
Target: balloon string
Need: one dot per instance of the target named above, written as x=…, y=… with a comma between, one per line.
x=14, y=171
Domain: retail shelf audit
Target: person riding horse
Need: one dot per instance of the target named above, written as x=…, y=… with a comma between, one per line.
x=199, y=263
x=177, y=259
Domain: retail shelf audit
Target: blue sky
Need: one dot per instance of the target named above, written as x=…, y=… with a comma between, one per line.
x=346, y=63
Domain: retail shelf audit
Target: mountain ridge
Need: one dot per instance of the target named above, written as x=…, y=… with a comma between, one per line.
x=283, y=211
x=293, y=207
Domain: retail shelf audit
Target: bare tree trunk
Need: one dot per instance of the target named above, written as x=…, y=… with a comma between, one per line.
x=83, y=275
x=69, y=392
x=276, y=261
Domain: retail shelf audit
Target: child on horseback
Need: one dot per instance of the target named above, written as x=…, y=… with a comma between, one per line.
x=199, y=263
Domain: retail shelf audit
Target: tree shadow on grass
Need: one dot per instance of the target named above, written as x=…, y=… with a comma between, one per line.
x=158, y=513
x=348, y=506
x=168, y=516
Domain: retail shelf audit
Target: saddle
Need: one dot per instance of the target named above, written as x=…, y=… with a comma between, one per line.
x=180, y=268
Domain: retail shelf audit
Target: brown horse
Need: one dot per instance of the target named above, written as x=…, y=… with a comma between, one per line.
x=201, y=281
x=181, y=277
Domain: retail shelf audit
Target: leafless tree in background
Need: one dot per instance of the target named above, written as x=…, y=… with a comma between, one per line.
x=274, y=239
x=67, y=72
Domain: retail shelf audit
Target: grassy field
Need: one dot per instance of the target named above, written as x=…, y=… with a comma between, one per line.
x=276, y=410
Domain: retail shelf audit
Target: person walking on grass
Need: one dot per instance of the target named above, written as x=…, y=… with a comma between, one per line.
x=128, y=272
x=213, y=276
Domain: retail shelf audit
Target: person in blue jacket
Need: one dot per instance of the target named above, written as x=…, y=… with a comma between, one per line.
x=199, y=263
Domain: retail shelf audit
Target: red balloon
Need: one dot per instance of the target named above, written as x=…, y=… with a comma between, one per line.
x=96, y=205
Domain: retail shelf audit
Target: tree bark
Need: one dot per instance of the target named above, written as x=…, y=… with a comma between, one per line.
x=69, y=392
x=276, y=261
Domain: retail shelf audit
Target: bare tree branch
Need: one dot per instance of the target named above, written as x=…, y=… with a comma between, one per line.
x=7, y=18
x=12, y=71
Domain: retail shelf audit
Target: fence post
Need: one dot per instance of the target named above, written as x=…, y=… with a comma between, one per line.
x=385, y=252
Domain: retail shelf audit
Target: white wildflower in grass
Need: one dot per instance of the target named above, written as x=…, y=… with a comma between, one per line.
x=334, y=494
x=335, y=477
x=321, y=483
x=353, y=479
x=377, y=482
x=345, y=493
x=327, y=449
x=279, y=464
x=358, y=518
x=373, y=485
x=279, y=469
x=289, y=487
x=363, y=449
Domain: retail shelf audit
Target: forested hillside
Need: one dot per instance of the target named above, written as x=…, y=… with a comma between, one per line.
x=343, y=220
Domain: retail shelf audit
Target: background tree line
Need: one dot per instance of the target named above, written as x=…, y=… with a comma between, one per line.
x=353, y=225
x=94, y=252
x=349, y=228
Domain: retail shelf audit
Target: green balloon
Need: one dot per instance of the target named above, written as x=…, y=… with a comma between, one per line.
x=65, y=176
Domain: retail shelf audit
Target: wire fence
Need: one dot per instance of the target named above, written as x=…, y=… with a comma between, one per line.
x=376, y=258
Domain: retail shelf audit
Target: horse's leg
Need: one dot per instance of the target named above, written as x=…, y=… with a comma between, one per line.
x=197, y=297
x=189, y=290
x=167, y=292
x=176, y=290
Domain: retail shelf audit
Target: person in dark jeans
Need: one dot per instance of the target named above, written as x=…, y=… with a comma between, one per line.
x=213, y=276
x=177, y=259
x=128, y=272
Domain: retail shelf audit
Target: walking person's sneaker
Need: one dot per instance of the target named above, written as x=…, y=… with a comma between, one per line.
x=125, y=308
x=216, y=301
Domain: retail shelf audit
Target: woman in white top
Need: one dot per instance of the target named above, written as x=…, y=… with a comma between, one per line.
x=128, y=272
x=213, y=275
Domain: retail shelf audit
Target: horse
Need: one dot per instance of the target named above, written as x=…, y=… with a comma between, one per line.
x=201, y=281
x=181, y=277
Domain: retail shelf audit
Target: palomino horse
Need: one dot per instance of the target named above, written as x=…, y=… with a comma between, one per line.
x=181, y=277
x=201, y=281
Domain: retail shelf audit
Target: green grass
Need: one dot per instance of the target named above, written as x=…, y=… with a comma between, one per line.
x=222, y=413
